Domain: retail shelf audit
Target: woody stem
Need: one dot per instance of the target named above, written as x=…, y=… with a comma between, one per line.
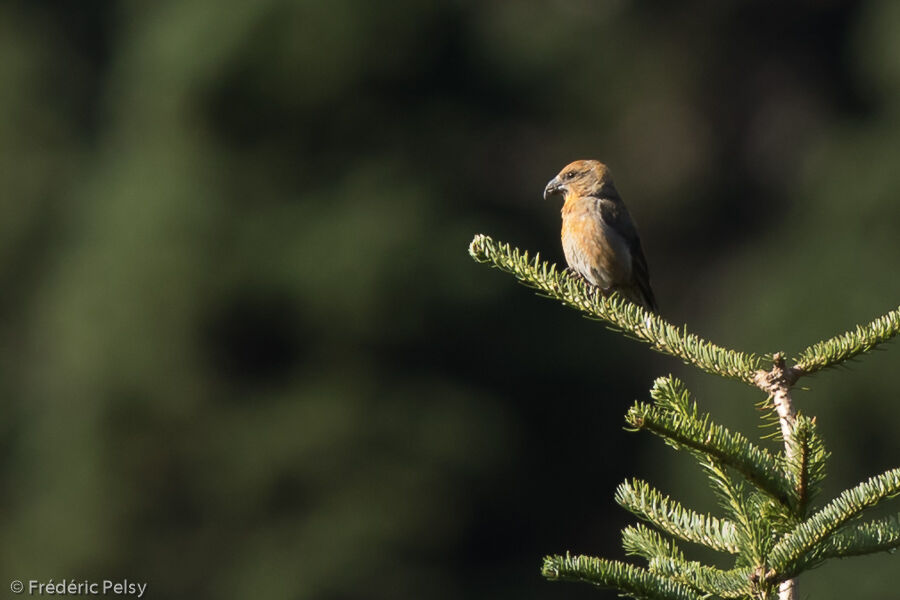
x=777, y=383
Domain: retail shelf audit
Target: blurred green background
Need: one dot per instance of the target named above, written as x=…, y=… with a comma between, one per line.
x=244, y=350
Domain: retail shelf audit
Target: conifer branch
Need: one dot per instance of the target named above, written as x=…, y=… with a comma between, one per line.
x=880, y=535
x=805, y=466
x=628, y=579
x=787, y=557
x=668, y=515
x=618, y=312
x=845, y=346
x=749, y=527
x=734, y=583
x=765, y=526
x=681, y=426
x=640, y=540
x=756, y=464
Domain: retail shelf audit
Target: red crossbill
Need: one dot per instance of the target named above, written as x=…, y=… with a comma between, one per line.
x=599, y=238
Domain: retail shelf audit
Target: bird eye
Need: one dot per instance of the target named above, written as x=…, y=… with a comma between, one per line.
x=570, y=175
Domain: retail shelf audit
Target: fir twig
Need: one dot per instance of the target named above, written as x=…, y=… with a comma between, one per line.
x=734, y=583
x=682, y=427
x=845, y=346
x=651, y=505
x=640, y=540
x=880, y=535
x=786, y=558
x=628, y=579
x=805, y=466
x=618, y=312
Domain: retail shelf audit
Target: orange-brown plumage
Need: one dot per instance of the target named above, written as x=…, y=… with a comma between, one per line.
x=599, y=238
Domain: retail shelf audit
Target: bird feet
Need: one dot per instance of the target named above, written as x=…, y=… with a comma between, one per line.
x=575, y=274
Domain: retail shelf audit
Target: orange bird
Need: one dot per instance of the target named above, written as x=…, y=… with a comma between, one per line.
x=599, y=238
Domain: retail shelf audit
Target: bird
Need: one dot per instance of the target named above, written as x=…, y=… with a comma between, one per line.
x=599, y=239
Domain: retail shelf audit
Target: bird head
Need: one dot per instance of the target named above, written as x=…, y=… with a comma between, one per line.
x=582, y=178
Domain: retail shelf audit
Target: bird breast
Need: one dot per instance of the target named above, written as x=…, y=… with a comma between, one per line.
x=592, y=247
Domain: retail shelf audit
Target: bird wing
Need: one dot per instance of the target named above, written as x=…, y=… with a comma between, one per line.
x=642, y=276
x=614, y=213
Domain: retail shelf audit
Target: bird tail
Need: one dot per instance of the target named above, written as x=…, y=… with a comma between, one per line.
x=640, y=295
